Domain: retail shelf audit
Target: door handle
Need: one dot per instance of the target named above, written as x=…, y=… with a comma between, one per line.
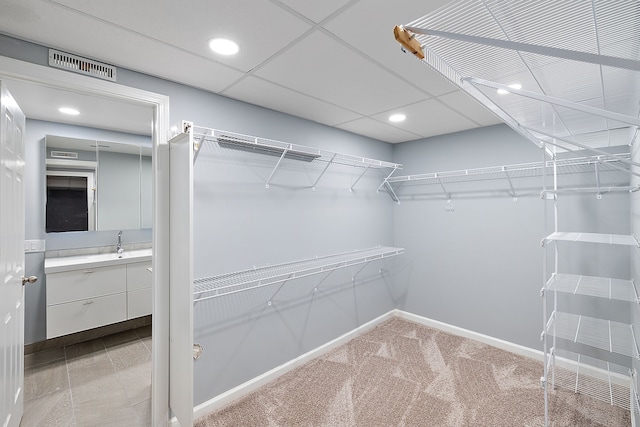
x=30, y=279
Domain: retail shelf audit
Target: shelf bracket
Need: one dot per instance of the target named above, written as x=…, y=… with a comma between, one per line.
x=358, y=179
x=597, y=171
x=353, y=278
x=635, y=341
x=284, y=153
x=385, y=181
x=392, y=193
x=513, y=191
x=323, y=171
x=284, y=282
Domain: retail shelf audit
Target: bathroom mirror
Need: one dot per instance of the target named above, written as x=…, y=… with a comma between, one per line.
x=94, y=185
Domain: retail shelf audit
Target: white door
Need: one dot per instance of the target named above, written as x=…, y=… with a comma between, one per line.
x=11, y=259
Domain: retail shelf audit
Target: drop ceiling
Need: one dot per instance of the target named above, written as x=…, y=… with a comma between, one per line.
x=334, y=62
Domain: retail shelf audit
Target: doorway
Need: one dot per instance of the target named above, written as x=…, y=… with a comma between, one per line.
x=32, y=74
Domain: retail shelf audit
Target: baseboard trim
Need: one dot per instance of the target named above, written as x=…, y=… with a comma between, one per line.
x=245, y=388
x=466, y=333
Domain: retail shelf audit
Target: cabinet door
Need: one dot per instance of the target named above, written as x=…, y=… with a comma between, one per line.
x=86, y=283
x=138, y=277
x=139, y=303
x=76, y=316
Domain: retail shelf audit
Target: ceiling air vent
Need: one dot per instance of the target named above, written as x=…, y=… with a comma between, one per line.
x=64, y=154
x=78, y=64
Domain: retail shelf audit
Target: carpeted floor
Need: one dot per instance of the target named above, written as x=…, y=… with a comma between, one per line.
x=405, y=374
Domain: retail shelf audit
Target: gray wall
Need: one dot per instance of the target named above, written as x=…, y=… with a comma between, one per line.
x=480, y=266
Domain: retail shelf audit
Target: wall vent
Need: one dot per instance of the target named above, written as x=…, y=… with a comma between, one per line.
x=64, y=154
x=78, y=64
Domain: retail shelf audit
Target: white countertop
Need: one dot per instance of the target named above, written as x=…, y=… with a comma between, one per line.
x=56, y=265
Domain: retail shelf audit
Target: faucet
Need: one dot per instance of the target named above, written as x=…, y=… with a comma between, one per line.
x=119, y=249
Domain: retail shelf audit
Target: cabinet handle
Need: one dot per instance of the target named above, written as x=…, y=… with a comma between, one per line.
x=87, y=303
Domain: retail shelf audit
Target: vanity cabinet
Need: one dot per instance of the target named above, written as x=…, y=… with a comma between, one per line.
x=89, y=294
x=139, y=299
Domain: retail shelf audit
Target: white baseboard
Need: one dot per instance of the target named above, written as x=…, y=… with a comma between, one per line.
x=486, y=339
x=245, y=388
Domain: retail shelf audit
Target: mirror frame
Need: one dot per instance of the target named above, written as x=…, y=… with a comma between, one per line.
x=27, y=72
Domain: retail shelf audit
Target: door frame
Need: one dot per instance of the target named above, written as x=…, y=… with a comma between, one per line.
x=12, y=69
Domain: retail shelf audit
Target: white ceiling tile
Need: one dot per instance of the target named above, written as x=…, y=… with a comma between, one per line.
x=466, y=105
x=315, y=10
x=257, y=91
x=429, y=118
x=323, y=68
x=368, y=26
x=377, y=130
x=190, y=25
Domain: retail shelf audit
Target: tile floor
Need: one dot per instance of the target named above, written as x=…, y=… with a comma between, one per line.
x=102, y=382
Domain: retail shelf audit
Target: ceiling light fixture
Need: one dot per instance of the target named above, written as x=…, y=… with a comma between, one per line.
x=68, y=110
x=512, y=86
x=395, y=118
x=224, y=46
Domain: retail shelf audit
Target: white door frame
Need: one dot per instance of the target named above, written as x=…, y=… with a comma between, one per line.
x=12, y=69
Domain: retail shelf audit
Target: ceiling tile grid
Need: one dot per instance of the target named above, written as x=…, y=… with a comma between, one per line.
x=334, y=62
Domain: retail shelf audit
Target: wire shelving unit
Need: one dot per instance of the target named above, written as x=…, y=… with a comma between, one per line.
x=246, y=280
x=284, y=150
x=565, y=88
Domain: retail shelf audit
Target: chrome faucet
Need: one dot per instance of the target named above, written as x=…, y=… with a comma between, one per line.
x=119, y=249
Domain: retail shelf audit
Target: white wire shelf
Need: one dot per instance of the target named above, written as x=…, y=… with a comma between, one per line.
x=231, y=283
x=614, y=337
x=599, y=379
x=284, y=150
x=611, y=239
x=601, y=287
x=589, y=164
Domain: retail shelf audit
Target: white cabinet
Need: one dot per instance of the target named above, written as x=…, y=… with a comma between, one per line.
x=85, y=295
x=139, y=300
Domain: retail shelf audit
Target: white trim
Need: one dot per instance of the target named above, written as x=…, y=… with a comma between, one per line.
x=14, y=69
x=466, y=333
x=243, y=389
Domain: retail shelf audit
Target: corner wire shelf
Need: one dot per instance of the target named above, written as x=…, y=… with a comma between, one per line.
x=610, y=239
x=601, y=287
x=285, y=150
x=608, y=335
x=602, y=380
x=232, y=283
x=585, y=164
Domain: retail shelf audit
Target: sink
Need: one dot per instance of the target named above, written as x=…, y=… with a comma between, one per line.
x=55, y=265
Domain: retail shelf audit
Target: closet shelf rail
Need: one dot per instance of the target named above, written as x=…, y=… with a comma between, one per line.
x=284, y=150
x=586, y=164
x=231, y=283
x=601, y=287
x=608, y=335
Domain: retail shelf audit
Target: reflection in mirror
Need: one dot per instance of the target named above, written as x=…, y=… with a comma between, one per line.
x=97, y=185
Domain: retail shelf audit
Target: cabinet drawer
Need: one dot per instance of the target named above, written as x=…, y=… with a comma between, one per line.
x=138, y=277
x=139, y=303
x=67, y=318
x=86, y=283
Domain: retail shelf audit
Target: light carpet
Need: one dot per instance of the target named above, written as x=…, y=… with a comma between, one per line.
x=404, y=374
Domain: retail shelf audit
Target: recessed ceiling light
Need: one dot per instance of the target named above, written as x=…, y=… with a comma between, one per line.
x=224, y=46
x=68, y=110
x=512, y=86
x=397, y=118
